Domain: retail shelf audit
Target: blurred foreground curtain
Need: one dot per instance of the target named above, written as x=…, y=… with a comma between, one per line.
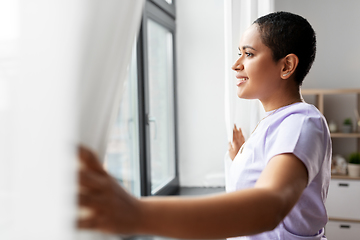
x=239, y=15
x=62, y=64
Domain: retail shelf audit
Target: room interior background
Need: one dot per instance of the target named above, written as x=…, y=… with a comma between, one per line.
x=201, y=71
x=46, y=42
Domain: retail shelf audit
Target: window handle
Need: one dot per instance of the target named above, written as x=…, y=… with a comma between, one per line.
x=343, y=184
x=152, y=119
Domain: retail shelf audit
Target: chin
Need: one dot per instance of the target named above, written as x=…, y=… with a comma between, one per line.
x=243, y=95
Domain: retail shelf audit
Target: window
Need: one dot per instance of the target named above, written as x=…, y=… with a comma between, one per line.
x=142, y=153
x=167, y=6
x=161, y=105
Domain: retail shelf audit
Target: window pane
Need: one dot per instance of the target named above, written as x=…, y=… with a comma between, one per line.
x=161, y=105
x=122, y=156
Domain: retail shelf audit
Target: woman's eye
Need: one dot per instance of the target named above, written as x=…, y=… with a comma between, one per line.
x=247, y=54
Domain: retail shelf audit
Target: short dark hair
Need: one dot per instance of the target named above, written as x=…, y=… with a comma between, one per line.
x=285, y=33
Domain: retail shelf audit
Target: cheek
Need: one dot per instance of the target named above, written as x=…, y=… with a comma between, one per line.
x=256, y=72
x=263, y=70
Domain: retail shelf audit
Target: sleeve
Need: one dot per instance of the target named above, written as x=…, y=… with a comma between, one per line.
x=304, y=137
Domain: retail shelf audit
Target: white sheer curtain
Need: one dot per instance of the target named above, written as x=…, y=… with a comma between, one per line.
x=239, y=15
x=53, y=55
x=109, y=41
x=9, y=48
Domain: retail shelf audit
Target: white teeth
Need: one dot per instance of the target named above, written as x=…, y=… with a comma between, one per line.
x=242, y=80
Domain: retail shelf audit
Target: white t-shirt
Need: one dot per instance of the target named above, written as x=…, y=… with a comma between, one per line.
x=302, y=130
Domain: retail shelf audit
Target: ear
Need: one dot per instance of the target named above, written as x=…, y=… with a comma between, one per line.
x=290, y=63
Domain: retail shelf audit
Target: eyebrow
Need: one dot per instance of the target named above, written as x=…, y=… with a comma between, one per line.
x=247, y=46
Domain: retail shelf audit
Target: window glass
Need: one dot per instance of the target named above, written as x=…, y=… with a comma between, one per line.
x=122, y=156
x=161, y=105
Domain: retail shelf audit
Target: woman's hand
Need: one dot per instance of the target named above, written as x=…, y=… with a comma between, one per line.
x=111, y=209
x=237, y=142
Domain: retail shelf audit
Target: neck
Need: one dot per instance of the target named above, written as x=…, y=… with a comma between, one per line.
x=281, y=99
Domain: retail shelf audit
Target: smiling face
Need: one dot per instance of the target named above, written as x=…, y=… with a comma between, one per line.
x=258, y=75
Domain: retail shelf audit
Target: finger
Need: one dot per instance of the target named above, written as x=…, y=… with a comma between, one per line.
x=234, y=133
x=87, y=223
x=89, y=159
x=93, y=202
x=91, y=180
x=240, y=132
x=242, y=135
x=230, y=146
x=90, y=191
x=99, y=224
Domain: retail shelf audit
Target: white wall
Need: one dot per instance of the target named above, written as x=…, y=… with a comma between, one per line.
x=336, y=25
x=336, y=64
x=200, y=85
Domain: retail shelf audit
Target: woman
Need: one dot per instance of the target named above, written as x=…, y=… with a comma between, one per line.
x=278, y=178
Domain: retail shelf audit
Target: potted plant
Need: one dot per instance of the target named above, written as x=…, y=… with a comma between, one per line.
x=354, y=165
x=347, y=125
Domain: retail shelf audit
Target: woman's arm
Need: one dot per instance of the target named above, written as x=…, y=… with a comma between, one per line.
x=226, y=215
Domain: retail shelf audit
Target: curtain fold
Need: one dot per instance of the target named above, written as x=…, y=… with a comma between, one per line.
x=112, y=32
x=113, y=29
x=62, y=65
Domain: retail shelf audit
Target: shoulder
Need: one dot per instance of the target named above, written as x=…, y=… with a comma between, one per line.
x=299, y=116
x=296, y=128
x=302, y=130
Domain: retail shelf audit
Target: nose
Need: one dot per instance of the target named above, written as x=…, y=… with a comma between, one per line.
x=238, y=65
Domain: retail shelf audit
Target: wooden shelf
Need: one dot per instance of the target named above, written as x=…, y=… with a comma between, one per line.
x=344, y=177
x=328, y=91
x=320, y=93
x=344, y=220
x=345, y=135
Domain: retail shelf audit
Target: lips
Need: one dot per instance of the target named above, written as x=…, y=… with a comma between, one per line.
x=241, y=80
